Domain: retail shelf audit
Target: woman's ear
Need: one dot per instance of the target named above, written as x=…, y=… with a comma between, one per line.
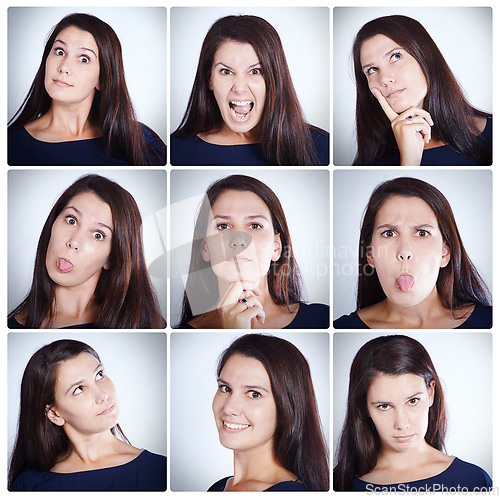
x=53, y=417
x=369, y=257
x=205, y=253
x=277, y=248
x=431, y=391
x=446, y=255
x=107, y=265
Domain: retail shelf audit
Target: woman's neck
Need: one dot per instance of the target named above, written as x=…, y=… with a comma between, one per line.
x=227, y=137
x=257, y=469
x=90, y=452
x=64, y=123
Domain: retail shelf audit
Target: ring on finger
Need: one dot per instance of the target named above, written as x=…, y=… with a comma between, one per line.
x=410, y=118
x=243, y=301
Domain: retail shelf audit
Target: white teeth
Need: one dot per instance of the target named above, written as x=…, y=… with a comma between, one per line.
x=236, y=426
x=241, y=103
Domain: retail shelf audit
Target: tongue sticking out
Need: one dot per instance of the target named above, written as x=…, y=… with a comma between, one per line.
x=63, y=265
x=405, y=282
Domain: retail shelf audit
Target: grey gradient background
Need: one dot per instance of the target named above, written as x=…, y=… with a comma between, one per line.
x=142, y=32
x=462, y=34
x=304, y=33
x=304, y=196
x=135, y=362
x=31, y=195
x=469, y=193
x=465, y=371
x=197, y=459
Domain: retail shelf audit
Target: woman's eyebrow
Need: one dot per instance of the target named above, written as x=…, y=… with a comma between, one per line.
x=80, y=214
x=79, y=48
x=229, y=67
x=387, y=54
x=381, y=402
x=77, y=383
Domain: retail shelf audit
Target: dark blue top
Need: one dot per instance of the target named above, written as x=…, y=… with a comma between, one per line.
x=443, y=155
x=459, y=476
x=279, y=487
x=196, y=152
x=147, y=471
x=309, y=316
x=481, y=318
x=13, y=324
x=25, y=150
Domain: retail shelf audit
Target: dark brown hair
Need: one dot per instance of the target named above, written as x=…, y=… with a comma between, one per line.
x=285, y=135
x=299, y=444
x=124, y=292
x=284, y=280
x=112, y=109
x=359, y=442
x=453, y=116
x=40, y=443
x=459, y=283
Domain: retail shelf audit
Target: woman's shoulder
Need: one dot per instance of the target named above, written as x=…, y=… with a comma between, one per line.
x=311, y=316
x=154, y=141
x=146, y=472
x=13, y=323
x=289, y=485
x=458, y=476
x=193, y=151
x=480, y=318
x=351, y=321
x=321, y=141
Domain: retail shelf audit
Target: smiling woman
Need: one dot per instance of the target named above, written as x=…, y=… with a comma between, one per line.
x=243, y=109
x=90, y=270
x=78, y=110
x=265, y=411
x=68, y=434
x=395, y=425
x=414, y=271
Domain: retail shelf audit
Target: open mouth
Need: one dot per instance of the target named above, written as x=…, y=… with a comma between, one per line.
x=241, y=110
x=405, y=282
x=64, y=265
x=235, y=426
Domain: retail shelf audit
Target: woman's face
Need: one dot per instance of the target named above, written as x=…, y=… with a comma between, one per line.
x=244, y=407
x=238, y=85
x=72, y=67
x=240, y=242
x=392, y=70
x=399, y=408
x=80, y=241
x=86, y=402
x=407, y=250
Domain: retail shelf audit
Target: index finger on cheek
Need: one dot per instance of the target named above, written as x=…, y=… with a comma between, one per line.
x=386, y=107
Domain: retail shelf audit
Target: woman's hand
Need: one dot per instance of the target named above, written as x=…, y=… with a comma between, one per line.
x=411, y=128
x=238, y=315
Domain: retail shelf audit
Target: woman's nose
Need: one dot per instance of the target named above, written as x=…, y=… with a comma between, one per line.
x=101, y=395
x=73, y=244
x=386, y=77
x=404, y=251
x=232, y=407
x=401, y=420
x=239, y=240
x=240, y=84
x=64, y=68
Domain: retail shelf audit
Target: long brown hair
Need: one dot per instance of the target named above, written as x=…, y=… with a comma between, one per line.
x=124, y=292
x=39, y=442
x=453, y=116
x=285, y=135
x=112, y=109
x=359, y=442
x=283, y=278
x=299, y=444
x=459, y=283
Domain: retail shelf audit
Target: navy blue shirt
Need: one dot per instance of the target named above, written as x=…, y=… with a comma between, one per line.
x=25, y=150
x=290, y=486
x=196, y=152
x=481, y=318
x=309, y=316
x=459, y=476
x=12, y=323
x=147, y=471
x=443, y=155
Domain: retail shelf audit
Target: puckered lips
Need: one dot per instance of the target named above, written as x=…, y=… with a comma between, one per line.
x=234, y=427
x=241, y=110
x=64, y=265
x=405, y=282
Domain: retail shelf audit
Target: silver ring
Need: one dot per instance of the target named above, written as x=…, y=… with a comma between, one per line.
x=410, y=118
x=243, y=301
